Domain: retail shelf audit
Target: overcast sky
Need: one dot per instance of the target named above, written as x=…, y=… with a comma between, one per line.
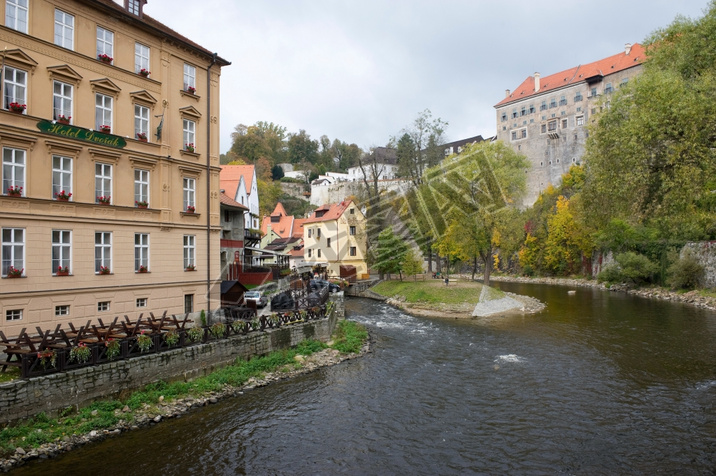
x=362, y=70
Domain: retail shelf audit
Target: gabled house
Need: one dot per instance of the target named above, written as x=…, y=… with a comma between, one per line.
x=239, y=183
x=334, y=238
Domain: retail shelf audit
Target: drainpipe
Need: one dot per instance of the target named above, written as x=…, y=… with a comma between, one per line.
x=208, y=183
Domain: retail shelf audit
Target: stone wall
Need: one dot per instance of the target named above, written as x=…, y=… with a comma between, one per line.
x=705, y=253
x=24, y=398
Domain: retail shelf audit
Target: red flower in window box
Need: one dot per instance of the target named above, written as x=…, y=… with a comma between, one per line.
x=144, y=72
x=104, y=200
x=15, y=191
x=13, y=272
x=63, y=119
x=105, y=129
x=191, y=89
x=142, y=269
x=17, y=107
x=104, y=270
x=142, y=136
x=190, y=209
x=63, y=196
x=105, y=58
x=63, y=271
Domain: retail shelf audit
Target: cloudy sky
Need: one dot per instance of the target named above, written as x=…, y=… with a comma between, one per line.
x=362, y=70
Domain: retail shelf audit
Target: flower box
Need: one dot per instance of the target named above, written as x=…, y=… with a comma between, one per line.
x=142, y=269
x=13, y=272
x=105, y=58
x=63, y=196
x=102, y=200
x=191, y=267
x=141, y=136
x=145, y=73
x=103, y=270
x=14, y=191
x=189, y=147
x=63, y=119
x=141, y=204
x=63, y=271
x=105, y=129
x=190, y=209
x=17, y=107
x=191, y=90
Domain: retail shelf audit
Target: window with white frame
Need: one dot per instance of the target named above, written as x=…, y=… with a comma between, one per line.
x=141, y=57
x=13, y=171
x=64, y=29
x=61, y=250
x=580, y=120
x=103, y=182
x=189, y=77
x=62, y=310
x=61, y=176
x=141, y=122
x=13, y=315
x=142, y=302
x=16, y=15
x=102, y=112
x=103, y=306
x=141, y=252
x=189, y=251
x=105, y=42
x=13, y=250
x=62, y=101
x=189, y=131
x=141, y=187
x=133, y=7
x=189, y=193
x=102, y=251
x=14, y=87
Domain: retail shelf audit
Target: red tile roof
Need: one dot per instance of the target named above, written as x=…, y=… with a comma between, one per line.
x=332, y=212
x=226, y=200
x=298, y=227
x=283, y=227
x=231, y=175
x=604, y=67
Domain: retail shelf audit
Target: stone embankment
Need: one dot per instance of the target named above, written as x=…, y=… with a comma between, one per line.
x=153, y=414
x=693, y=298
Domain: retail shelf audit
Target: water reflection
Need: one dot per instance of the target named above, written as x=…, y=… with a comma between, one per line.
x=597, y=383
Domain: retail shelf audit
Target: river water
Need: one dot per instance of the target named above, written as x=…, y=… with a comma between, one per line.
x=597, y=383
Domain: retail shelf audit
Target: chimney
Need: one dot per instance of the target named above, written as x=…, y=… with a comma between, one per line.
x=627, y=48
x=536, y=82
x=507, y=93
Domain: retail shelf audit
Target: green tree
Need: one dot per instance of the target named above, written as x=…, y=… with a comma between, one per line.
x=390, y=252
x=276, y=172
x=650, y=157
x=412, y=265
x=301, y=149
x=423, y=149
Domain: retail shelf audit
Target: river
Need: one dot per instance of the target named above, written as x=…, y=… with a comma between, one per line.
x=597, y=383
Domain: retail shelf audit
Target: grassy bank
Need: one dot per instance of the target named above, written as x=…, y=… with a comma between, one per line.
x=348, y=338
x=434, y=292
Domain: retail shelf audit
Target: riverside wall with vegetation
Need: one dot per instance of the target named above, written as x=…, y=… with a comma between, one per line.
x=22, y=398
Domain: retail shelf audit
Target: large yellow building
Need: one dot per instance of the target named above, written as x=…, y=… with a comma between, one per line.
x=109, y=130
x=335, y=236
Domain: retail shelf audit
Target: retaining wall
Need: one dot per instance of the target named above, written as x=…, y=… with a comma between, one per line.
x=23, y=398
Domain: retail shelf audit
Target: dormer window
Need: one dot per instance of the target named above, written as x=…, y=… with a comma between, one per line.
x=134, y=6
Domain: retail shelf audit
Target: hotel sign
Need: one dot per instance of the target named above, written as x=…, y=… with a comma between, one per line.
x=80, y=133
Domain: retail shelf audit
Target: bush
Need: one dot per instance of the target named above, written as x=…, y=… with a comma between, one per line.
x=685, y=272
x=631, y=268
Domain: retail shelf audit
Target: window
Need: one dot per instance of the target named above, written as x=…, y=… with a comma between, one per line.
x=503, y=117
x=580, y=120
x=514, y=113
x=141, y=122
x=578, y=97
x=141, y=57
x=352, y=251
x=103, y=306
x=188, y=303
x=352, y=211
x=102, y=112
x=309, y=252
x=624, y=82
x=13, y=249
x=13, y=315
x=309, y=232
x=103, y=183
x=532, y=108
x=552, y=103
x=142, y=302
x=318, y=233
x=564, y=123
x=328, y=242
x=523, y=111
x=16, y=15
x=189, y=193
x=552, y=126
x=544, y=128
x=62, y=101
x=352, y=230
x=141, y=186
x=524, y=133
x=133, y=7
x=61, y=250
x=514, y=135
x=102, y=251
x=608, y=89
x=62, y=310
x=141, y=252
x=64, y=29
x=13, y=171
x=15, y=87
x=189, y=128
x=61, y=176
x=543, y=106
x=593, y=92
x=318, y=253
x=105, y=42
x=189, y=77
x=189, y=251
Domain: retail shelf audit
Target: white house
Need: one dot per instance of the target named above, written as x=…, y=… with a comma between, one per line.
x=239, y=183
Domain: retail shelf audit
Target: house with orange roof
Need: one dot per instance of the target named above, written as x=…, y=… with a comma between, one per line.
x=238, y=182
x=334, y=239
x=545, y=118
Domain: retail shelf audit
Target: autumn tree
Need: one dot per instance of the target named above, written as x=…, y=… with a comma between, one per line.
x=390, y=252
x=412, y=265
x=419, y=146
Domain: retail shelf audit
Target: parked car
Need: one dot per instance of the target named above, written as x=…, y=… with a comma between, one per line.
x=256, y=297
x=282, y=302
x=320, y=283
